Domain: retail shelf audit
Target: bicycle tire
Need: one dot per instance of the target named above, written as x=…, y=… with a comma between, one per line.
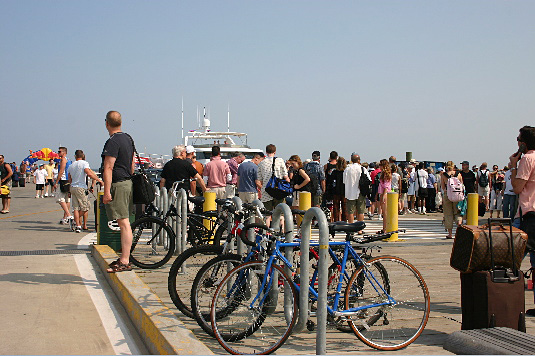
x=157, y=253
x=235, y=331
x=178, y=282
x=406, y=286
x=205, y=285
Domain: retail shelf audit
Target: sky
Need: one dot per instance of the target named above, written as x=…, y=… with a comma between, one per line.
x=445, y=80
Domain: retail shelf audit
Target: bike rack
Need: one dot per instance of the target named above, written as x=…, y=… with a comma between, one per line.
x=321, y=314
x=284, y=210
x=239, y=244
x=181, y=221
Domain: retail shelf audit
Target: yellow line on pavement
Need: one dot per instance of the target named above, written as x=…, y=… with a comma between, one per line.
x=41, y=212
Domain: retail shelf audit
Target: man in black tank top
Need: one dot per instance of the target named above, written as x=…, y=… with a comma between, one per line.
x=329, y=168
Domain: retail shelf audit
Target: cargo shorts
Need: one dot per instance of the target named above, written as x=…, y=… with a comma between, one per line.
x=122, y=203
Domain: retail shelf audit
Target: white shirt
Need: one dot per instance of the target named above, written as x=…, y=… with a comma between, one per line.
x=265, y=173
x=422, y=179
x=508, y=184
x=395, y=180
x=77, y=173
x=351, y=178
x=40, y=176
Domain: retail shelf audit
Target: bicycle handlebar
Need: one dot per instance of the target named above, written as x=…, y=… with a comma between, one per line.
x=371, y=238
x=243, y=234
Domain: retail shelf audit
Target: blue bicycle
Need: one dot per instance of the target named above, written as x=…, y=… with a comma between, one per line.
x=386, y=301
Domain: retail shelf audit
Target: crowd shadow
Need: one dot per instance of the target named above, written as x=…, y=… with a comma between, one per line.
x=45, y=278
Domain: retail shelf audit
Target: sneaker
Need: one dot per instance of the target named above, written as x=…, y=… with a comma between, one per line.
x=37, y=196
x=46, y=194
x=78, y=229
x=63, y=222
x=42, y=197
x=52, y=195
x=380, y=216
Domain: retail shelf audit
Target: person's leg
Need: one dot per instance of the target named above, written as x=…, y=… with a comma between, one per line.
x=351, y=206
x=76, y=214
x=84, y=215
x=385, y=212
x=126, y=239
x=447, y=209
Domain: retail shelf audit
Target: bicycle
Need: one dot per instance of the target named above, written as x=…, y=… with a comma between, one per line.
x=186, y=266
x=250, y=297
x=154, y=240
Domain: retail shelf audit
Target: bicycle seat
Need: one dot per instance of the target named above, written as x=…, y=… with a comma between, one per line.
x=222, y=201
x=298, y=212
x=210, y=214
x=196, y=200
x=346, y=227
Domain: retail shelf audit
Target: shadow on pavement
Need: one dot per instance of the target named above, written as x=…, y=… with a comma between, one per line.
x=45, y=278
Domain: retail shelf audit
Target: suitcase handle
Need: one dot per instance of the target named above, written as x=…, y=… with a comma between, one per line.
x=499, y=221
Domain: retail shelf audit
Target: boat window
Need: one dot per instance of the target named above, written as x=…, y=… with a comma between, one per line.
x=202, y=155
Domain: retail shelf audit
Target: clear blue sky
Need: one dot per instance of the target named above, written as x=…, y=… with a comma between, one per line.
x=443, y=79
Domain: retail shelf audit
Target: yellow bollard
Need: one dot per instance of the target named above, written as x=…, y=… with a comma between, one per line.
x=471, y=209
x=305, y=202
x=209, y=204
x=392, y=200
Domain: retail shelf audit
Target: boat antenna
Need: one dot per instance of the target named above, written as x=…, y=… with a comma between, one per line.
x=182, y=119
x=228, y=118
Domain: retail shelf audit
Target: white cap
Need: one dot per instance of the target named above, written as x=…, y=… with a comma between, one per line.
x=190, y=149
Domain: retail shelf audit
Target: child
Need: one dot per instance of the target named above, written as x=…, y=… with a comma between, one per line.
x=39, y=180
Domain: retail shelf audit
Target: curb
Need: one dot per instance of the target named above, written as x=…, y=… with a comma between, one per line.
x=162, y=332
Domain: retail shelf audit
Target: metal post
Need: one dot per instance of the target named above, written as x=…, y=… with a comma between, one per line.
x=471, y=209
x=178, y=224
x=239, y=244
x=165, y=206
x=284, y=210
x=321, y=315
x=184, y=215
x=392, y=200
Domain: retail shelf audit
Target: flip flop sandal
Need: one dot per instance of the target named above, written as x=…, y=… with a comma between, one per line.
x=118, y=266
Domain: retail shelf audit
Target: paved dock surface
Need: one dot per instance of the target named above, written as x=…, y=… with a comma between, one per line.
x=54, y=299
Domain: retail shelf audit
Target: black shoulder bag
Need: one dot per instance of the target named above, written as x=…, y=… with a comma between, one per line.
x=142, y=186
x=276, y=187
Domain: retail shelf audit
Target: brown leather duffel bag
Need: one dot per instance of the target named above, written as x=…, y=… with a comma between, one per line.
x=471, y=248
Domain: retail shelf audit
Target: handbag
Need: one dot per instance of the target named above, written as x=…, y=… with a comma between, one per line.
x=276, y=187
x=64, y=186
x=471, y=248
x=143, y=189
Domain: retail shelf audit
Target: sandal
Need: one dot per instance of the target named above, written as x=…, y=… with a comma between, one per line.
x=118, y=266
x=4, y=211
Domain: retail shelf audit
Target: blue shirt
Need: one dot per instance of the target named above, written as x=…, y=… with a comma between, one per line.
x=431, y=180
x=248, y=173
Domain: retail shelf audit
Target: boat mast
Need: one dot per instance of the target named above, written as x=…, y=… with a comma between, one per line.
x=228, y=118
x=182, y=119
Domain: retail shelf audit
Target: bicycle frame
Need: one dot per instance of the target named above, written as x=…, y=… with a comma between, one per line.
x=348, y=250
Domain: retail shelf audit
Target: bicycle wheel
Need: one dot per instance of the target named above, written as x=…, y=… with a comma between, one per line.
x=398, y=323
x=183, y=272
x=249, y=317
x=153, y=242
x=205, y=285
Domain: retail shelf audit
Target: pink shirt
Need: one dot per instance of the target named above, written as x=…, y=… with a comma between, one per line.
x=216, y=170
x=526, y=171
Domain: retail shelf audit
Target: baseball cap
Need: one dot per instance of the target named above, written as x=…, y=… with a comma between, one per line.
x=465, y=162
x=316, y=153
x=190, y=149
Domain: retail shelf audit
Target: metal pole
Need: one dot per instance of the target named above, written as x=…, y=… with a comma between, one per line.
x=471, y=209
x=321, y=315
x=165, y=205
x=178, y=224
x=184, y=215
x=284, y=209
x=239, y=244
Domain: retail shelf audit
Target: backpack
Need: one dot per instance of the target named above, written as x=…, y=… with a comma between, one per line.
x=364, y=183
x=454, y=190
x=484, y=178
x=311, y=170
x=404, y=182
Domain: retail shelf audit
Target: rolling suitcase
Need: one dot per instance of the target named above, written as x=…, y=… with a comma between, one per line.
x=495, y=297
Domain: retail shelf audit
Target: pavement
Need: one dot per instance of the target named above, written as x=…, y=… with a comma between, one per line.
x=54, y=291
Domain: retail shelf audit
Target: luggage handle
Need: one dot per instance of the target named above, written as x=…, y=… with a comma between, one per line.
x=509, y=221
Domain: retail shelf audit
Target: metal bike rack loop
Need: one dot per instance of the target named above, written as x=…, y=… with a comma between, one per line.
x=239, y=208
x=321, y=314
x=284, y=210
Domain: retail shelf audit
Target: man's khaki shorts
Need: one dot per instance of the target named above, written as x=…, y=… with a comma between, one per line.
x=248, y=197
x=79, y=199
x=62, y=197
x=122, y=203
x=358, y=205
x=483, y=191
x=272, y=204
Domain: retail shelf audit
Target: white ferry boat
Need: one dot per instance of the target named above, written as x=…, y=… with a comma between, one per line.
x=204, y=139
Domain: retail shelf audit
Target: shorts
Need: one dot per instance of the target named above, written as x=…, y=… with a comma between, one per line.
x=39, y=186
x=49, y=182
x=403, y=196
x=230, y=190
x=272, y=204
x=220, y=192
x=79, y=199
x=62, y=197
x=316, y=199
x=248, y=197
x=122, y=203
x=358, y=205
x=483, y=191
x=9, y=185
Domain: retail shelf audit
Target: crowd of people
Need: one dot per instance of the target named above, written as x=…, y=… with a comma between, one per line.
x=348, y=190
